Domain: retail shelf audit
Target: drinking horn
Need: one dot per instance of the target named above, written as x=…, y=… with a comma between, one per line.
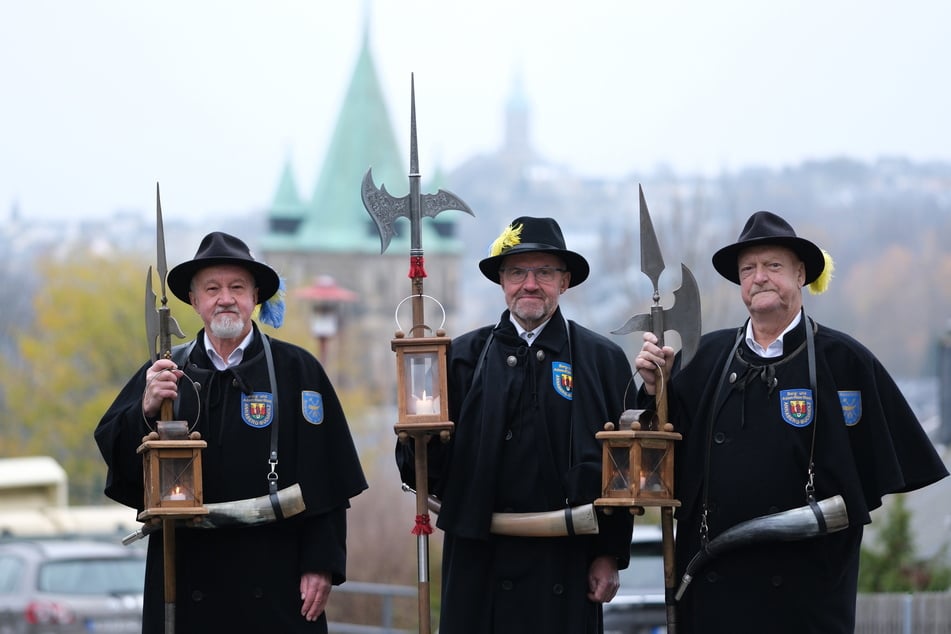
x=810, y=520
x=574, y=520
x=246, y=512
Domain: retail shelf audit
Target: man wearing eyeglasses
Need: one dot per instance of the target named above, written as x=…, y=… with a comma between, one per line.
x=527, y=395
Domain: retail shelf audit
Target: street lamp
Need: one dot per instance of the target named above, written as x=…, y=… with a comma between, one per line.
x=326, y=298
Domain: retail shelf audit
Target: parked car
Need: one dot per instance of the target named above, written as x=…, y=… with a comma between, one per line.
x=67, y=586
x=638, y=607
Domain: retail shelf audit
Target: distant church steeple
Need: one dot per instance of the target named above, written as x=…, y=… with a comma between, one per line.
x=333, y=219
x=517, y=142
x=287, y=209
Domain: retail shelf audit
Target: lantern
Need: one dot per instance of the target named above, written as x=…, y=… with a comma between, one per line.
x=637, y=466
x=422, y=387
x=171, y=462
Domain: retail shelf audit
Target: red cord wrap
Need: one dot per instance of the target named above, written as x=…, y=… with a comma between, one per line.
x=422, y=526
x=416, y=267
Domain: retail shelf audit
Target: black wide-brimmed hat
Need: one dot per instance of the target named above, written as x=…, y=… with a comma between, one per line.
x=765, y=227
x=220, y=248
x=533, y=235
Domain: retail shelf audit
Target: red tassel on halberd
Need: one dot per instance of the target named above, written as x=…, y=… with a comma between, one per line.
x=416, y=267
x=422, y=526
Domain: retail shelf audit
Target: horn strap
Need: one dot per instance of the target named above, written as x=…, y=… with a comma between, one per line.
x=811, y=354
x=569, y=522
x=820, y=518
x=272, y=458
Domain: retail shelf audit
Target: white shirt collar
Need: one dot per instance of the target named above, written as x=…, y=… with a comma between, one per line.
x=234, y=358
x=775, y=349
x=528, y=335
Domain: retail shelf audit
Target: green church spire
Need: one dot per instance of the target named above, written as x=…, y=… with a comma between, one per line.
x=334, y=219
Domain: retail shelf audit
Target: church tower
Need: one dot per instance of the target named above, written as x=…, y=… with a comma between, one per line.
x=331, y=233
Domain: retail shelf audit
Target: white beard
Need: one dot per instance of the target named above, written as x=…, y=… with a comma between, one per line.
x=227, y=326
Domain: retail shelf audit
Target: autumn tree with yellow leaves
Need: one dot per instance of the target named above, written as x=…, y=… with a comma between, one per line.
x=85, y=341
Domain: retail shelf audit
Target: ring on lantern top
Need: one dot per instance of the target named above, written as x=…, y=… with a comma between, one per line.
x=170, y=429
x=396, y=314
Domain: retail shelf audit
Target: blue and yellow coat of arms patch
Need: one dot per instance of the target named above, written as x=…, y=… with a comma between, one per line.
x=851, y=402
x=312, y=406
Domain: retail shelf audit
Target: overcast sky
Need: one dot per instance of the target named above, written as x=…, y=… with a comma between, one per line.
x=102, y=98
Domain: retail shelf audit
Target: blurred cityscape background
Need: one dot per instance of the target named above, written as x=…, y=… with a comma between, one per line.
x=72, y=329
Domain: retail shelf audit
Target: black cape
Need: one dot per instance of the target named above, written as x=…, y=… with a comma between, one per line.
x=245, y=578
x=868, y=443
x=524, y=441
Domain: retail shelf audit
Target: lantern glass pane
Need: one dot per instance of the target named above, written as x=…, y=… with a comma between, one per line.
x=653, y=463
x=421, y=370
x=176, y=479
x=620, y=468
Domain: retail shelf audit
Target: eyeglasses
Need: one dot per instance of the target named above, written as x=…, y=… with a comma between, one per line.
x=518, y=274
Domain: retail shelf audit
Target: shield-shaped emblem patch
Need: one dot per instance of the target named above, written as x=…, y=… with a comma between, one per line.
x=797, y=407
x=561, y=378
x=257, y=409
x=851, y=401
x=312, y=406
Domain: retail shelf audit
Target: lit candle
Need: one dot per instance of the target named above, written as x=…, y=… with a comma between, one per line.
x=425, y=405
x=176, y=494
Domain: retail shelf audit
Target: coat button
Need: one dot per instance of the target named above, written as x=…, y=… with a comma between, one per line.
x=719, y=438
x=558, y=589
x=712, y=576
x=776, y=581
x=540, y=355
x=507, y=584
x=508, y=434
x=197, y=595
x=257, y=593
x=511, y=361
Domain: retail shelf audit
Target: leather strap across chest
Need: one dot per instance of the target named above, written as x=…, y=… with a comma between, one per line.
x=180, y=356
x=811, y=327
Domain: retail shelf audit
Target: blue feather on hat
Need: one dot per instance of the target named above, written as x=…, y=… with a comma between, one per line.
x=272, y=311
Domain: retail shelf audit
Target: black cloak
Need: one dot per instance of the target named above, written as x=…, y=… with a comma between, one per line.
x=867, y=443
x=524, y=441
x=245, y=579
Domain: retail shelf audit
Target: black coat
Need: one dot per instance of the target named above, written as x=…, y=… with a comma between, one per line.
x=524, y=441
x=245, y=579
x=867, y=443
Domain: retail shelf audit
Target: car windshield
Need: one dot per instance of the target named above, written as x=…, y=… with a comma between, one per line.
x=646, y=570
x=93, y=576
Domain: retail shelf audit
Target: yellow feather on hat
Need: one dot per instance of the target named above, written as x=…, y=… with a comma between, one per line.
x=821, y=284
x=510, y=237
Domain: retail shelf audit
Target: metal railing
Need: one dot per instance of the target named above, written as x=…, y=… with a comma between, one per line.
x=903, y=613
x=387, y=593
